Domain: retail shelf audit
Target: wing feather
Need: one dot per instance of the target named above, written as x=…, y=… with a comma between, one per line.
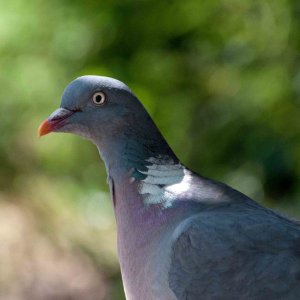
x=236, y=255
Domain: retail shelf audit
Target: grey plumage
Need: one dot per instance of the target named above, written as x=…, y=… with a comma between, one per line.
x=180, y=236
x=233, y=248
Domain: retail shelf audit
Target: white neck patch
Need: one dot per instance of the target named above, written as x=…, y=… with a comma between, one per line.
x=164, y=183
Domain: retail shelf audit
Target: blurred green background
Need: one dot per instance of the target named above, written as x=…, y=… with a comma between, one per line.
x=220, y=78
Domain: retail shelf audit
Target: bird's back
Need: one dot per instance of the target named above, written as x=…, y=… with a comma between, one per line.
x=234, y=249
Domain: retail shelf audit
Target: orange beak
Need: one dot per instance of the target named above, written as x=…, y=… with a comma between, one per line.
x=45, y=128
x=56, y=120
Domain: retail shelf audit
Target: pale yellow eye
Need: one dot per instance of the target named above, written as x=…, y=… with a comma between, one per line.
x=99, y=98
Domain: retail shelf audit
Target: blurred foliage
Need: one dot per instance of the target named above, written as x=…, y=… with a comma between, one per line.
x=220, y=78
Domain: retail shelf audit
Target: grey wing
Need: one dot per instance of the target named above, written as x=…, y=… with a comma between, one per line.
x=222, y=255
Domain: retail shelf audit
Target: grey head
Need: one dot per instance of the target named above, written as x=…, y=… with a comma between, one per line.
x=94, y=106
x=105, y=111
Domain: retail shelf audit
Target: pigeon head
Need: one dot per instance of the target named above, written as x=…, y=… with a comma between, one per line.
x=105, y=111
x=93, y=107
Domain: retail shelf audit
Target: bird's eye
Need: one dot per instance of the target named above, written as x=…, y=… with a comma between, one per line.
x=99, y=98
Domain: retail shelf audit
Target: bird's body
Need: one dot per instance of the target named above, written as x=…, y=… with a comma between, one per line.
x=180, y=236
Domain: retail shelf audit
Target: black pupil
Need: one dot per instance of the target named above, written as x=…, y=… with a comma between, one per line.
x=98, y=98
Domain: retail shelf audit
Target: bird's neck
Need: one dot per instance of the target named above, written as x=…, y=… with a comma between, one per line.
x=132, y=151
x=144, y=163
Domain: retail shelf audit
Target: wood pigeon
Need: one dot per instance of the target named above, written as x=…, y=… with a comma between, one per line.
x=181, y=236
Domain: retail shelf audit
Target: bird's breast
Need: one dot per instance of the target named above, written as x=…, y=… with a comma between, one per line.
x=144, y=233
x=145, y=264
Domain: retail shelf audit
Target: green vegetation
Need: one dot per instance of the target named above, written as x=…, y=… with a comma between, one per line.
x=220, y=78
